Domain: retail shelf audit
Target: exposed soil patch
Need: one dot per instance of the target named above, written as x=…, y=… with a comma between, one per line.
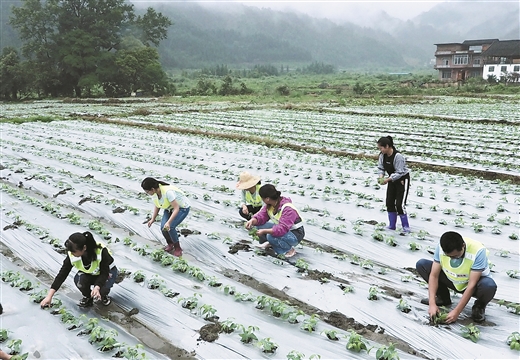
x=85, y=200
x=243, y=245
x=118, y=210
x=392, y=292
x=62, y=192
x=319, y=275
x=413, y=271
x=339, y=320
x=209, y=332
x=187, y=232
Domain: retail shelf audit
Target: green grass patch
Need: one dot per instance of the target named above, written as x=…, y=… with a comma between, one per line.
x=37, y=118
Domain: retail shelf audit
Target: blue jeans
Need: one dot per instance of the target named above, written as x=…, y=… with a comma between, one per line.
x=172, y=236
x=282, y=244
x=85, y=281
x=485, y=291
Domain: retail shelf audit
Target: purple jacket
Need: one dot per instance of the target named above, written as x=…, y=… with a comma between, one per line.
x=287, y=220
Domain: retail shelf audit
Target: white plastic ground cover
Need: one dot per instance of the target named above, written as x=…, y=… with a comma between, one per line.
x=351, y=132
x=356, y=133
x=165, y=315
x=209, y=254
x=43, y=335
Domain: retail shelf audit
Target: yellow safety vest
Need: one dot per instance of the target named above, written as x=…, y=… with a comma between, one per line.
x=275, y=218
x=165, y=203
x=459, y=276
x=257, y=200
x=77, y=262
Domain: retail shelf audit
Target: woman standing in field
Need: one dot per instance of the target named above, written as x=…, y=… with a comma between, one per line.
x=279, y=222
x=398, y=181
x=251, y=200
x=95, y=268
x=176, y=207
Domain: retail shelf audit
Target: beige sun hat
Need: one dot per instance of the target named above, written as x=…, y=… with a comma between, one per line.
x=246, y=180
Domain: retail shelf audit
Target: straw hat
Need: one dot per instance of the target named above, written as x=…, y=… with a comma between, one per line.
x=247, y=181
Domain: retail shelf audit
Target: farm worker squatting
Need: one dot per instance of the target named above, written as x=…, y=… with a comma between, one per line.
x=95, y=267
x=176, y=207
x=398, y=181
x=461, y=266
x=279, y=222
x=251, y=200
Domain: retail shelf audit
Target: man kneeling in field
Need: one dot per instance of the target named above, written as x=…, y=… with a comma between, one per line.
x=465, y=269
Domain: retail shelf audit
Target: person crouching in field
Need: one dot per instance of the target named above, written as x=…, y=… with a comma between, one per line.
x=176, y=207
x=251, y=200
x=460, y=264
x=95, y=267
x=279, y=222
x=398, y=181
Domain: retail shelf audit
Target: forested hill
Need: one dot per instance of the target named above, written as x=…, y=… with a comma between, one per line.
x=245, y=35
x=250, y=35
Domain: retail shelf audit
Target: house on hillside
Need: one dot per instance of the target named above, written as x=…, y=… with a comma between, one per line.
x=502, y=58
x=478, y=58
x=460, y=61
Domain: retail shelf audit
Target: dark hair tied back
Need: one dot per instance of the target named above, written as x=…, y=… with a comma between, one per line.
x=386, y=141
x=150, y=183
x=269, y=191
x=78, y=241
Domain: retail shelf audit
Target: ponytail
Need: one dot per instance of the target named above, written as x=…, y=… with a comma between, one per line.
x=386, y=141
x=78, y=240
x=150, y=183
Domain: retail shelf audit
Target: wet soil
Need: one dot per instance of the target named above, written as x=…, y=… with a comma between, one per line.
x=186, y=232
x=210, y=332
x=243, y=245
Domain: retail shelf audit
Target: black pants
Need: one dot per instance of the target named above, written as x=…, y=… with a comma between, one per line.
x=252, y=210
x=397, y=195
x=84, y=282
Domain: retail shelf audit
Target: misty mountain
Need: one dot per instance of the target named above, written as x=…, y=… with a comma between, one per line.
x=247, y=35
x=242, y=36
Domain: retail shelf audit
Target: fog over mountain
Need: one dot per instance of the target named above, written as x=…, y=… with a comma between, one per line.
x=372, y=35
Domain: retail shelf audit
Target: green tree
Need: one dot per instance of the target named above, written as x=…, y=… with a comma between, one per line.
x=68, y=41
x=11, y=75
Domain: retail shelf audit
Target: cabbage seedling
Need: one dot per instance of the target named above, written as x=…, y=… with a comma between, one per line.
x=139, y=276
x=404, y=306
x=331, y=334
x=302, y=265
x=208, y=312
x=372, y=293
x=356, y=342
x=440, y=317
x=471, y=332
x=14, y=345
x=310, y=323
x=295, y=355
x=155, y=282
x=4, y=334
x=267, y=345
x=387, y=353
x=247, y=335
x=514, y=274
x=228, y=325
x=169, y=293
x=513, y=341
x=190, y=302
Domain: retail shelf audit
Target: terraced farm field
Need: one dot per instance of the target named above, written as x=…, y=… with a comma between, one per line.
x=80, y=168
